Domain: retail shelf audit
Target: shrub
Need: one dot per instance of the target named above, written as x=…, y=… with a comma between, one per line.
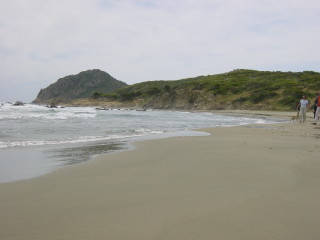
x=153, y=91
x=290, y=101
x=167, y=88
x=97, y=95
x=219, y=89
x=260, y=96
x=129, y=96
x=241, y=100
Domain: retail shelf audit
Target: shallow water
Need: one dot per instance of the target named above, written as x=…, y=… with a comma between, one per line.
x=35, y=140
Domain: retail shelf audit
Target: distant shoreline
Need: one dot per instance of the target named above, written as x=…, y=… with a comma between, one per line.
x=101, y=103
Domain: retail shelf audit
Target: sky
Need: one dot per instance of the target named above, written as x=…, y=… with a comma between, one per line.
x=145, y=40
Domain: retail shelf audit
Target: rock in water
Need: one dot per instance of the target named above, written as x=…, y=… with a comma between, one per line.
x=18, y=103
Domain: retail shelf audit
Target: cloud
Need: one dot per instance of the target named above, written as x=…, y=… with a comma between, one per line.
x=140, y=40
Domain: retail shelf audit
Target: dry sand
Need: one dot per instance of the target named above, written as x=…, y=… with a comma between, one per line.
x=258, y=182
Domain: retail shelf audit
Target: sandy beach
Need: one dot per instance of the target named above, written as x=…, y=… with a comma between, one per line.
x=258, y=182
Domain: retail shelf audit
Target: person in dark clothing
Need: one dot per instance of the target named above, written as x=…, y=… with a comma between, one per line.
x=315, y=107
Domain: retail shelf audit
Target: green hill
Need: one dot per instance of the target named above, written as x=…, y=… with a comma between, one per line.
x=82, y=85
x=238, y=89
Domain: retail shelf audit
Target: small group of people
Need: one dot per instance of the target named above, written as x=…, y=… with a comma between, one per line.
x=304, y=105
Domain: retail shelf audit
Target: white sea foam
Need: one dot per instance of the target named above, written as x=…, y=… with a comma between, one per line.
x=83, y=131
x=33, y=125
x=29, y=111
x=81, y=139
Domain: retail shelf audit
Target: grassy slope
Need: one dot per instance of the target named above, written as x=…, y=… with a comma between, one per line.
x=239, y=89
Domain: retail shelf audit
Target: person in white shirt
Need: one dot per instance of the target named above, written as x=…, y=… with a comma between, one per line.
x=303, y=105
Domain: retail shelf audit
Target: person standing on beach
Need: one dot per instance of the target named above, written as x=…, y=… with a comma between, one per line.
x=316, y=117
x=303, y=105
x=314, y=107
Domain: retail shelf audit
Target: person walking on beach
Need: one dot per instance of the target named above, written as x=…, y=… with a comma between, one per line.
x=314, y=107
x=316, y=117
x=303, y=105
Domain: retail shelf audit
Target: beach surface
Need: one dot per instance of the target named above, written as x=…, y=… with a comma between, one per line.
x=256, y=182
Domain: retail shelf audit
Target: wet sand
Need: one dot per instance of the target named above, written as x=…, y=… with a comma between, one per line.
x=249, y=182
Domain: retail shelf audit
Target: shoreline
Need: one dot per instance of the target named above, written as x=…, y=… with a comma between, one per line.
x=246, y=182
x=25, y=163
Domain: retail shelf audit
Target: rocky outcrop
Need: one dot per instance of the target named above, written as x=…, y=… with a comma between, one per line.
x=18, y=103
x=82, y=85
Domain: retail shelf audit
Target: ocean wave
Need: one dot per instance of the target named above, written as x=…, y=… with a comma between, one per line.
x=82, y=139
x=29, y=111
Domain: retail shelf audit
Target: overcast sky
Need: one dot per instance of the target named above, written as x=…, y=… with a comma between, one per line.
x=142, y=40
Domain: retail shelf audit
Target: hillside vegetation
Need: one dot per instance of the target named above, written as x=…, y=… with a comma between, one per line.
x=82, y=85
x=238, y=89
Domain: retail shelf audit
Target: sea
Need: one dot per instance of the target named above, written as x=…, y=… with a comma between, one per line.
x=35, y=140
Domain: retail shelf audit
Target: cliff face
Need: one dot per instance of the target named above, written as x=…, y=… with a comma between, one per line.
x=82, y=85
